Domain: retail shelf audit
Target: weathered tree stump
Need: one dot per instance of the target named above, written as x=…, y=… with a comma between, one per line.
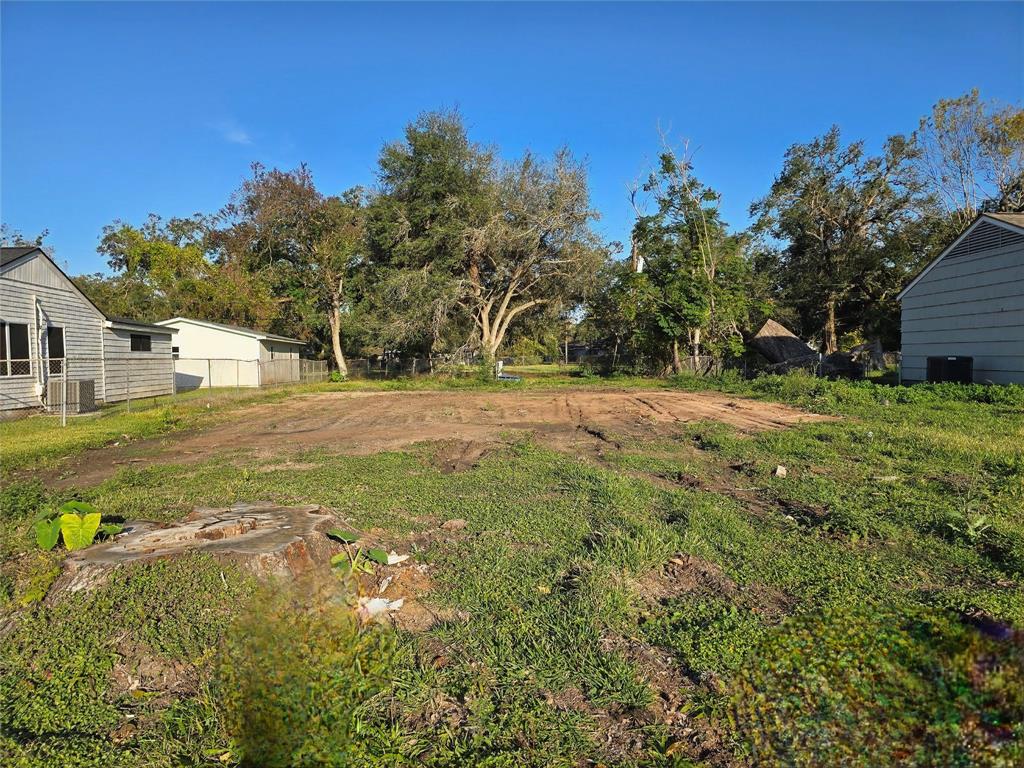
x=265, y=538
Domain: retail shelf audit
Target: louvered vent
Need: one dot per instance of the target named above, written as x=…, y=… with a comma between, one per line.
x=985, y=237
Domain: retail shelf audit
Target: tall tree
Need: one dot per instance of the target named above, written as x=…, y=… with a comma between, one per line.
x=695, y=271
x=534, y=249
x=971, y=156
x=433, y=186
x=162, y=268
x=482, y=244
x=305, y=244
x=834, y=208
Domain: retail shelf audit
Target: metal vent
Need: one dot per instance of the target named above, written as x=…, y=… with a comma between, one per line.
x=985, y=237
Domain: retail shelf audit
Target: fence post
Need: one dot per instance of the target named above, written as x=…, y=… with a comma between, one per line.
x=237, y=382
x=209, y=373
x=64, y=393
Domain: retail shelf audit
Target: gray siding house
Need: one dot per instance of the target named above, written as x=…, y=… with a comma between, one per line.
x=47, y=323
x=969, y=302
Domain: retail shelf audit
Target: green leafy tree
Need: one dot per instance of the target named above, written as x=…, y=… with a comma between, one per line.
x=307, y=245
x=834, y=208
x=534, y=250
x=162, y=269
x=434, y=185
x=695, y=273
x=463, y=247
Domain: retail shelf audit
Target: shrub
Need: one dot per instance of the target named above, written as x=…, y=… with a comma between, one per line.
x=296, y=672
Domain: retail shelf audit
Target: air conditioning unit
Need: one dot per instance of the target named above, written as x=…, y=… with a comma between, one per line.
x=81, y=395
x=951, y=368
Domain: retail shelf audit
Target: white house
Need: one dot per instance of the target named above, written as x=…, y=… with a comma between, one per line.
x=217, y=355
x=47, y=326
x=963, y=315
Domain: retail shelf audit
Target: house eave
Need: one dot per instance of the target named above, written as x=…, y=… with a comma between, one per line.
x=934, y=262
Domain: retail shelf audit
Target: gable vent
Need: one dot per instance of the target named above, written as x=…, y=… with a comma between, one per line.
x=985, y=237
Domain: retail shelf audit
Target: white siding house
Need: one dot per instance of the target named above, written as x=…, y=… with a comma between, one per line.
x=213, y=354
x=46, y=322
x=969, y=302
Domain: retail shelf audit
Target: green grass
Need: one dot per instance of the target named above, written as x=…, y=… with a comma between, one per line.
x=835, y=622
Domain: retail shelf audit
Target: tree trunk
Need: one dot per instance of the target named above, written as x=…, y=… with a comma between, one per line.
x=830, y=342
x=339, y=357
x=677, y=363
x=695, y=349
x=492, y=330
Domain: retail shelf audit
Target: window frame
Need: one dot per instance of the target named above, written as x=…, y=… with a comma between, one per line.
x=59, y=360
x=148, y=343
x=7, y=361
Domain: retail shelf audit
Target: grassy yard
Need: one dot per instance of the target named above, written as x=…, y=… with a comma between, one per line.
x=679, y=601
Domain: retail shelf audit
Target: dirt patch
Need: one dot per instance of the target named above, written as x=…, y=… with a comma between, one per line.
x=140, y=669
x=624, y=734
x=459, y=455
x=363, y=423
x=689, y=575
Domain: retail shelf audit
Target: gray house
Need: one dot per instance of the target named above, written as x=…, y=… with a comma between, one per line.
x=969, y=303
x=48, y=326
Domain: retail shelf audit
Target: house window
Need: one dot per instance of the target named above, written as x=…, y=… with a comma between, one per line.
x=55, y=348
x=175, y=352
x=14, y=355
x=142, y=342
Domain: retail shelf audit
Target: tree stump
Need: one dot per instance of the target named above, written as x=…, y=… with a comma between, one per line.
x=265, y=538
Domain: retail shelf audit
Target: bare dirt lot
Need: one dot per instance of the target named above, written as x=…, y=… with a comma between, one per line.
x=369, y=422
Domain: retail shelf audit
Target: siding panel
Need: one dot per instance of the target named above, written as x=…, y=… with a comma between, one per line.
x=970, y=305
x=60, y=304
x=138, y=374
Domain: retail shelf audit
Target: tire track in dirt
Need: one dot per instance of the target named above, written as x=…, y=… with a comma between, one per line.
x=362, y=423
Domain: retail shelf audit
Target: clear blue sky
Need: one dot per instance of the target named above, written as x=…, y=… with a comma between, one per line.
x=115, y=110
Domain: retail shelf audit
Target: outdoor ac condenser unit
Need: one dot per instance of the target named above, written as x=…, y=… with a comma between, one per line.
x=951, y=368
x=81, y=395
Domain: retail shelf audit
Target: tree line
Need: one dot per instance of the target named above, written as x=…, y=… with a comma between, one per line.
x=455, y=250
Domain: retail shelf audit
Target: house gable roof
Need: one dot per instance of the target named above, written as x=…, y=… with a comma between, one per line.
x=231, y=329
x=8, y=257
x=978, y=231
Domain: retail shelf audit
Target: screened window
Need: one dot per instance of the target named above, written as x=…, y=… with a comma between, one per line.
x=175, y=352
x=55, y=348
x=141, y=342
x=14, y=357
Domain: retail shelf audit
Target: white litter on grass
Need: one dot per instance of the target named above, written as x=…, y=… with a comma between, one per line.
x=373, y=608
x=394, y=558
x=780, y=471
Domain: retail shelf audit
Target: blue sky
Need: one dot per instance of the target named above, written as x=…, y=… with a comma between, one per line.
x=115, y=110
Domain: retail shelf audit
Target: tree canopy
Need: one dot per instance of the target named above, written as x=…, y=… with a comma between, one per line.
x=458, y=250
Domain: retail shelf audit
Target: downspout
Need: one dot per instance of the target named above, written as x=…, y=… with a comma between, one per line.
x=40, y=385
x=103, y=358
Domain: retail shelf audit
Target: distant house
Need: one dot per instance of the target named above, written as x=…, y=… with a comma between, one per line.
x=217, y=355
x=47, y=326
x=963, y=315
